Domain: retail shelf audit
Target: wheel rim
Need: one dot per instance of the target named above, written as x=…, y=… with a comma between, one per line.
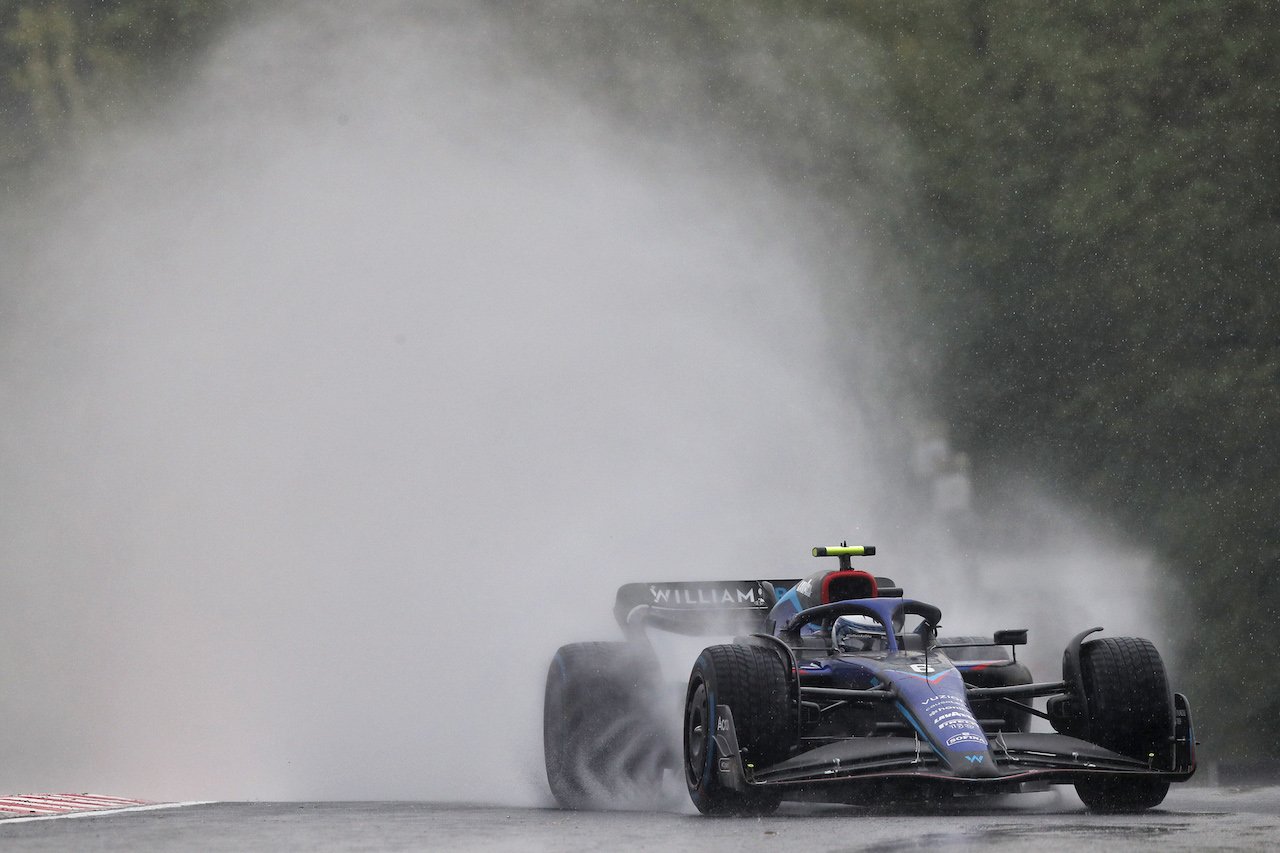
x=696, y=734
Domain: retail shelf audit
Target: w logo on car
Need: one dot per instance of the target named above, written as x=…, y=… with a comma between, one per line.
x=975, y=759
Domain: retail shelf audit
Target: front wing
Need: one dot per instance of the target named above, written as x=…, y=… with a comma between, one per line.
x=1022, y=759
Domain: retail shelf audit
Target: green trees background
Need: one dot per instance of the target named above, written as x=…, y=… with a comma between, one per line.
x=1108, y=173
x=1099, y=187
x=66, y=65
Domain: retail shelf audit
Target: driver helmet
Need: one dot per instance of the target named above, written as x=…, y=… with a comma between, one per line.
x=859, y=633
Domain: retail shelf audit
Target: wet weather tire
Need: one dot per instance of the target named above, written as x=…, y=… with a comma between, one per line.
x=602, y=740
x=1122, y=794
x=753, y=682
x=1129, y=710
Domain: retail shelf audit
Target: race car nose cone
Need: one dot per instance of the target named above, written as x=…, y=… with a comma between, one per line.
x=973, y=765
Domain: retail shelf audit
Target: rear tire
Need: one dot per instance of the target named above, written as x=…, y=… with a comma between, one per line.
x=601, y=736
x=1129, y=710
x=1000, y=671
x=753, y=682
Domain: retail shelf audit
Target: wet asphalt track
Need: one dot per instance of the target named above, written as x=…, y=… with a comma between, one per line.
x=1191, y=819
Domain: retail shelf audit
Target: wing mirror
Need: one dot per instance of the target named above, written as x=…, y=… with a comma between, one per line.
x=1011, y=637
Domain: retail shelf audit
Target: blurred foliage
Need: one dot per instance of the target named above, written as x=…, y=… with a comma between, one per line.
x=1109, y=174
x=65, y=65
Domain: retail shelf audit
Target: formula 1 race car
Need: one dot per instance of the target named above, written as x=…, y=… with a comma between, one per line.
x=826, y=695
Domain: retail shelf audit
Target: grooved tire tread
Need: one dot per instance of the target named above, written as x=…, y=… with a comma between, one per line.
x=1130, y=707
x=754, y=682
x=602, y=744
x=1129, y=710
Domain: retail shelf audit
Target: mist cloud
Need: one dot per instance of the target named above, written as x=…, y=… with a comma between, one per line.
x=343, y=390
x=341, y=394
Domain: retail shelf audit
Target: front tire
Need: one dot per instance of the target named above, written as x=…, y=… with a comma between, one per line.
x=1129, y=710
x=1122, y=794
x=753, y=682
x=602, y=739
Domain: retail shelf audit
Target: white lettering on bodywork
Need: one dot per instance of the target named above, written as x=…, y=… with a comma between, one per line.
x=705, y=596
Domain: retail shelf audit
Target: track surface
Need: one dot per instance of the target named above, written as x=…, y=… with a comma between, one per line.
x=1191, y=819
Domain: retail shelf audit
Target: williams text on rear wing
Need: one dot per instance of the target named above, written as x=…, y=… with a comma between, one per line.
x=697, y=608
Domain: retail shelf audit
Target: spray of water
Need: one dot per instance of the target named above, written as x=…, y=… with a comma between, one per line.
x=340, y=393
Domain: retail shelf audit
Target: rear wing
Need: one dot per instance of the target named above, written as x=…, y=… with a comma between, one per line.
x=698, y=607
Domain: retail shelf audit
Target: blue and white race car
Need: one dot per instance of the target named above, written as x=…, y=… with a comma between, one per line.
x=831, y=693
